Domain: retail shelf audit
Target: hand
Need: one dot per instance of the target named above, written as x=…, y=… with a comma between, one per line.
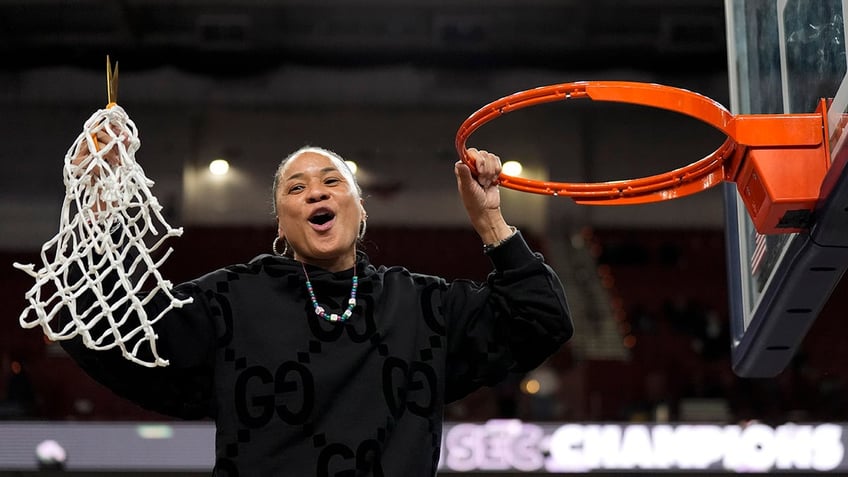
x=481, y=192
x=106, y=143
x=481, y=195
x=102, y=139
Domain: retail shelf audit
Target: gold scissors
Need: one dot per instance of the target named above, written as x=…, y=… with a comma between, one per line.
x=111, y=83
x=111, y=92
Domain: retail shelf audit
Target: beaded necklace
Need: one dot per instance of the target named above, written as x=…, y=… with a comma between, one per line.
x=319, y=310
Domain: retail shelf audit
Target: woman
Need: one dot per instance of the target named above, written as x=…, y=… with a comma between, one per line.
x=313, y=361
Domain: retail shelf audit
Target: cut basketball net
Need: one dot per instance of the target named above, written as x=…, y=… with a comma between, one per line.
x=778, y=161
x=109, y=226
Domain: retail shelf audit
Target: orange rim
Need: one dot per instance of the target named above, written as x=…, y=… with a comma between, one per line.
x=686, y=180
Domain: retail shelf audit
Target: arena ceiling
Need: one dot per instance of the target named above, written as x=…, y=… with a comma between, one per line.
x=224, y=60
x=230, y=38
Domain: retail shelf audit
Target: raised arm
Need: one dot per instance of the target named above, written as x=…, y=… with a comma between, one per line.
x=119, y=334
x=519, y=317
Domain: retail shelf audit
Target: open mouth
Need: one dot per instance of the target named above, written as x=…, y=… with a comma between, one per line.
x=321, y=217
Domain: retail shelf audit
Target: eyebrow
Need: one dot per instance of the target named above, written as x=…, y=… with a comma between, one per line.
x=325, y=170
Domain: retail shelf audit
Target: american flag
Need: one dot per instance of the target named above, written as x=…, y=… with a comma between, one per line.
x=760, y=249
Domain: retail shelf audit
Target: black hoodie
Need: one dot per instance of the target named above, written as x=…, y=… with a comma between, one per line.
x=295, y=395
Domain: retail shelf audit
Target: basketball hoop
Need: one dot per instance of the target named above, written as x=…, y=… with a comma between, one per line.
x=755, y=144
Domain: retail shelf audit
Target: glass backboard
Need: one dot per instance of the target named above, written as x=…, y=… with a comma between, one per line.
x=783, y=57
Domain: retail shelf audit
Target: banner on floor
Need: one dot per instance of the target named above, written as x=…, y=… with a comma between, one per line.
x=512, y=445
x=508, y=446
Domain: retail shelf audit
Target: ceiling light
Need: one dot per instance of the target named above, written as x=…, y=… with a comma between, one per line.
x=512, y=168
x=219, y=167
x=531, y=386
x=352, y=166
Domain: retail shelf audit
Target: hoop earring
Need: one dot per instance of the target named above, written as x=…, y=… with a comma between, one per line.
x=362, y=226
x=274, y=247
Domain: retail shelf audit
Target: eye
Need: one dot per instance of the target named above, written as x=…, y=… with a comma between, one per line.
x=296, y=188
x=332, y=180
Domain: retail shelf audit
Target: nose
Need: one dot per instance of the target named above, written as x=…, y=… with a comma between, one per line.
x=317, y=194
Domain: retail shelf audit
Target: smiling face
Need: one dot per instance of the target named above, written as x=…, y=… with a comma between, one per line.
x=318, y=209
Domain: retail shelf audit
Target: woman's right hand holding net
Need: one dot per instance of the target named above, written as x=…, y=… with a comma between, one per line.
x=96, y=162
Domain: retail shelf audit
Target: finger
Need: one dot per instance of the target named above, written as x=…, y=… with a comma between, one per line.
x=487, y=169
x=466, y=182
x=478, y=158
x=463, y=174
x=99, y=140
x=493, y=162
x=84, y=149
x=473, y=155
x=105, y=139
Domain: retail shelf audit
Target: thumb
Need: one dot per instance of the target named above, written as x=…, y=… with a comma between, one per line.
x=464, y=178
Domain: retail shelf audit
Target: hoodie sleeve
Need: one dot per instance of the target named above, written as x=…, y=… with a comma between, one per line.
x=510, y=324
x=186, y=337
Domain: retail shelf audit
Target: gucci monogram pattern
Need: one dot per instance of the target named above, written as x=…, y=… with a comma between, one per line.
x=292, y=394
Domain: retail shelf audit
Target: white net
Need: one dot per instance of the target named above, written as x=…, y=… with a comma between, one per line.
x=102, y=256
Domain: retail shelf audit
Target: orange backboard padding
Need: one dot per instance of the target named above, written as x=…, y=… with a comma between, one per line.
x=777, y=160
x=774, y=183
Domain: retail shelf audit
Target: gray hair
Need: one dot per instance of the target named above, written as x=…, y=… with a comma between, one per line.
x=337, y=159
